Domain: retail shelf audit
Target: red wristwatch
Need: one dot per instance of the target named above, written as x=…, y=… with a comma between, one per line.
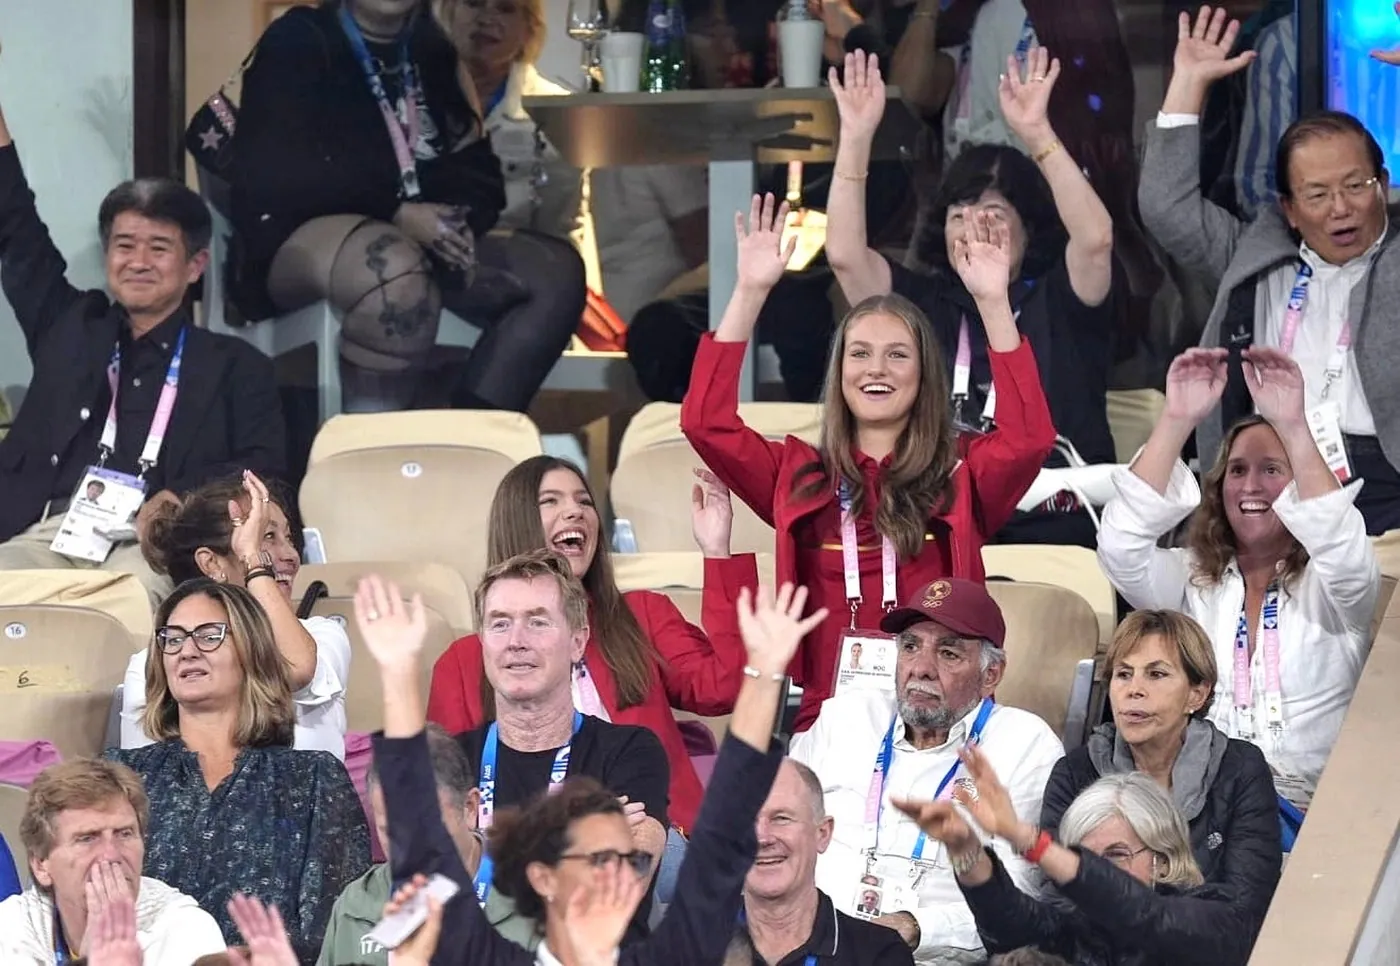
x=1034, y=854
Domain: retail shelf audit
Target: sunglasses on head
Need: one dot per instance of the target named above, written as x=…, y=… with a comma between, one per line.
x=207, y=637
x=639, y=861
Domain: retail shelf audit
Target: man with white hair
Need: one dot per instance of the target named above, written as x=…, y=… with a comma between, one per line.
x=868, y=745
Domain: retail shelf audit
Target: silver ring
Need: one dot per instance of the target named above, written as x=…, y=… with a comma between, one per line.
x=1038, y=78
x=372, y=616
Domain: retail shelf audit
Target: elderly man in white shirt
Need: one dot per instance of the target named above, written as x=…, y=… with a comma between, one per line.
x=869, y=745
x=84, y=830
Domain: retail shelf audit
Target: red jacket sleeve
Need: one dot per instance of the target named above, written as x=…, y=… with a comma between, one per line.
x=702, y=674
x=746, y=462
x=454, y=697
x=1004, y=463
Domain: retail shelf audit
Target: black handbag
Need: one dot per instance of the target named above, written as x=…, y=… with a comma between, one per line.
x=209, y=136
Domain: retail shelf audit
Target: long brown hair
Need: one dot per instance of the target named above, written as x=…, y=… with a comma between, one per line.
x=918, y=482
x=516, y=529
x=266, y=714
x=1210, y=538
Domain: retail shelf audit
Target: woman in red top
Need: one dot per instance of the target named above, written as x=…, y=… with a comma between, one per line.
x=887, y=440
x=642, y=656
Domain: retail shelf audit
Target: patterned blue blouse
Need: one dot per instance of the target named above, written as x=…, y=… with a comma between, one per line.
x=285, y=826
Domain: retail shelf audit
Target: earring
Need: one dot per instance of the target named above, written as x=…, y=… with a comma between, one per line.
x=222, y=577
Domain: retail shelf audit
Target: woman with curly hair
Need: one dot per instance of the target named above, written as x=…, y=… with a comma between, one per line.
x=1277, y=566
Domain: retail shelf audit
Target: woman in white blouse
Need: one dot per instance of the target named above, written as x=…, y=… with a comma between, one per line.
x=236, y=531
x=1277, y=566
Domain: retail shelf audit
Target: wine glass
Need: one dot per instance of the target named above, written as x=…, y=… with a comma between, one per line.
x=588, y=24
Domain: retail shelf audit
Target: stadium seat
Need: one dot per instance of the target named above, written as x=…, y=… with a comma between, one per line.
x=12, y=802
x=651, y=484
x=1073, y=568
x=1052, y=635
x=412, y=486
x=60, y=666
x=1131, y=415
x=443, y=588
x=118, y=594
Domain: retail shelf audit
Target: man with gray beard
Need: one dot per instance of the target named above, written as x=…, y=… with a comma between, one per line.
x=867, y=746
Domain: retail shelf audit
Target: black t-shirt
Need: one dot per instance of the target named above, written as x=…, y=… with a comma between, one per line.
x=1072, y=344
x=837, y=940
x=625, y=759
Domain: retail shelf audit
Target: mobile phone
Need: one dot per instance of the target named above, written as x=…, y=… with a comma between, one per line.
x=314, y=550
x=395, y=929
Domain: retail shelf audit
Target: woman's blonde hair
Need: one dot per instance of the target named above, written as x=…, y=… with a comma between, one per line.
x=1210, y=538
x=446, y=12
x=1139, y=801
x=266, y=714
x=918, y=482
x=1181, y=634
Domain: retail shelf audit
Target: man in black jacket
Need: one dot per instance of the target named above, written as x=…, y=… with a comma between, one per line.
x=189, y=406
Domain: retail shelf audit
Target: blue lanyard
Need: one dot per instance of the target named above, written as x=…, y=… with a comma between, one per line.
x=404, y=141
x=495, y=100
x=487, y=786
x=886, y=756
x=60, y=945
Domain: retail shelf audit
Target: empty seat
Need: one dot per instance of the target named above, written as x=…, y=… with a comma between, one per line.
x=651, y=484
x=58, y=668
x=1073, y=568
x=1131, y=415
x=118, y=594
x=1051, y=638
x=412, y=486
x=443, y=588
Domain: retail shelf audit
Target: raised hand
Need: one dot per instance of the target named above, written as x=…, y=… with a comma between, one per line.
x=772, y=629
x=860, y=97
x=940, y=821
x=711, y=514
x=110, y=939
x=263, y=931
x=1195, y=383
x=1025, y=102
x=982, y=257
x=1203, y=48
x=1276, y=384
x=249, y=527
x=392, y=630
x=762, y=254
x=1391, y=57
x=988, y=800
x=596, y=917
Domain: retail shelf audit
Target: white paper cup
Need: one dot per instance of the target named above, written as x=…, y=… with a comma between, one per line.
x=621, y=54
x=800, y=49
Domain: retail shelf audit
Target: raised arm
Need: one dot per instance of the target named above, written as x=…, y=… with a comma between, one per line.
x=1391, y=57
x=924, y=74
x=1024, y=105
x=746, y=462
x=860, y=103
x=1196, y=232
x=1195, y=383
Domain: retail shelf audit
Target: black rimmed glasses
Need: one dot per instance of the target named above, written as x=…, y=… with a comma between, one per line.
x=207, y=637
x=605, y=858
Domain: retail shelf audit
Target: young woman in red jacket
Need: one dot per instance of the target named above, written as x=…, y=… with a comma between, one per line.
x=920, y=501
x=643, y=658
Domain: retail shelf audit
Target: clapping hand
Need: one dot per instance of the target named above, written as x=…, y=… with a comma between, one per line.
x=110, y=939
x=249, y=527
x=597, y=914
x=1391, y=57
x=1276, y=384
x=264, y=932
x=391, y=629
x=1195, y=383
x=711, y=514
x=762, y=254
x=1025, y=102
x=860, y=96
x=772, y=629
x=982, y=256
x=1203, y=48
x=987, y=800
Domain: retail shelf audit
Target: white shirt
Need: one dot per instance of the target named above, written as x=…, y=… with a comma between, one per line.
x=1324, y=619
x=512, y=134
x=842, y=747
x=975, y=105
x=171, y=929
x=321, y=721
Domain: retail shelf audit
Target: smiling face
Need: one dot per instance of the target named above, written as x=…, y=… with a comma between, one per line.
x=1115, y=840
x=1151, y=695
x=148, y=266
x=276, y=540
x=85, y=837
x=998, y=209
x=1337, y=197
x=569, y=518
x=527, y=645
x=205, y=680
x=1256, y=473
x=879, y=370
x=587, y=835
x=790, y=837
x=939, y=676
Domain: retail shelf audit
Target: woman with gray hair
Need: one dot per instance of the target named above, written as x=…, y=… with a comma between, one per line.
x=1129, y=892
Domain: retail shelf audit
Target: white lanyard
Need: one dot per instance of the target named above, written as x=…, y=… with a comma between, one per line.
x=1293, y=318
x=962, y=376
x=165, y=405
x=850, y=559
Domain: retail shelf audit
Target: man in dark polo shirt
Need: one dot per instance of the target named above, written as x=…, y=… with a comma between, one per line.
x=189, y=406
x=787, y=920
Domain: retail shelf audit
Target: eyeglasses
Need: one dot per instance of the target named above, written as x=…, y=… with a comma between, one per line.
x=1318, y=198
x=207, y=637
x=639, y=861
x=1123, y=857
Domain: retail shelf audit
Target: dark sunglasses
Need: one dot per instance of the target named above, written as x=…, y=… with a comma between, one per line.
x=207, y=637
x=639, y=861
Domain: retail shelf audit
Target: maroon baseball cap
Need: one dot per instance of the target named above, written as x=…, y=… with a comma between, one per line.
x=962, y=606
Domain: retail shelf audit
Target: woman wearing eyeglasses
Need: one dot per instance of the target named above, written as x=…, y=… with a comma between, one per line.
x=233, y=806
